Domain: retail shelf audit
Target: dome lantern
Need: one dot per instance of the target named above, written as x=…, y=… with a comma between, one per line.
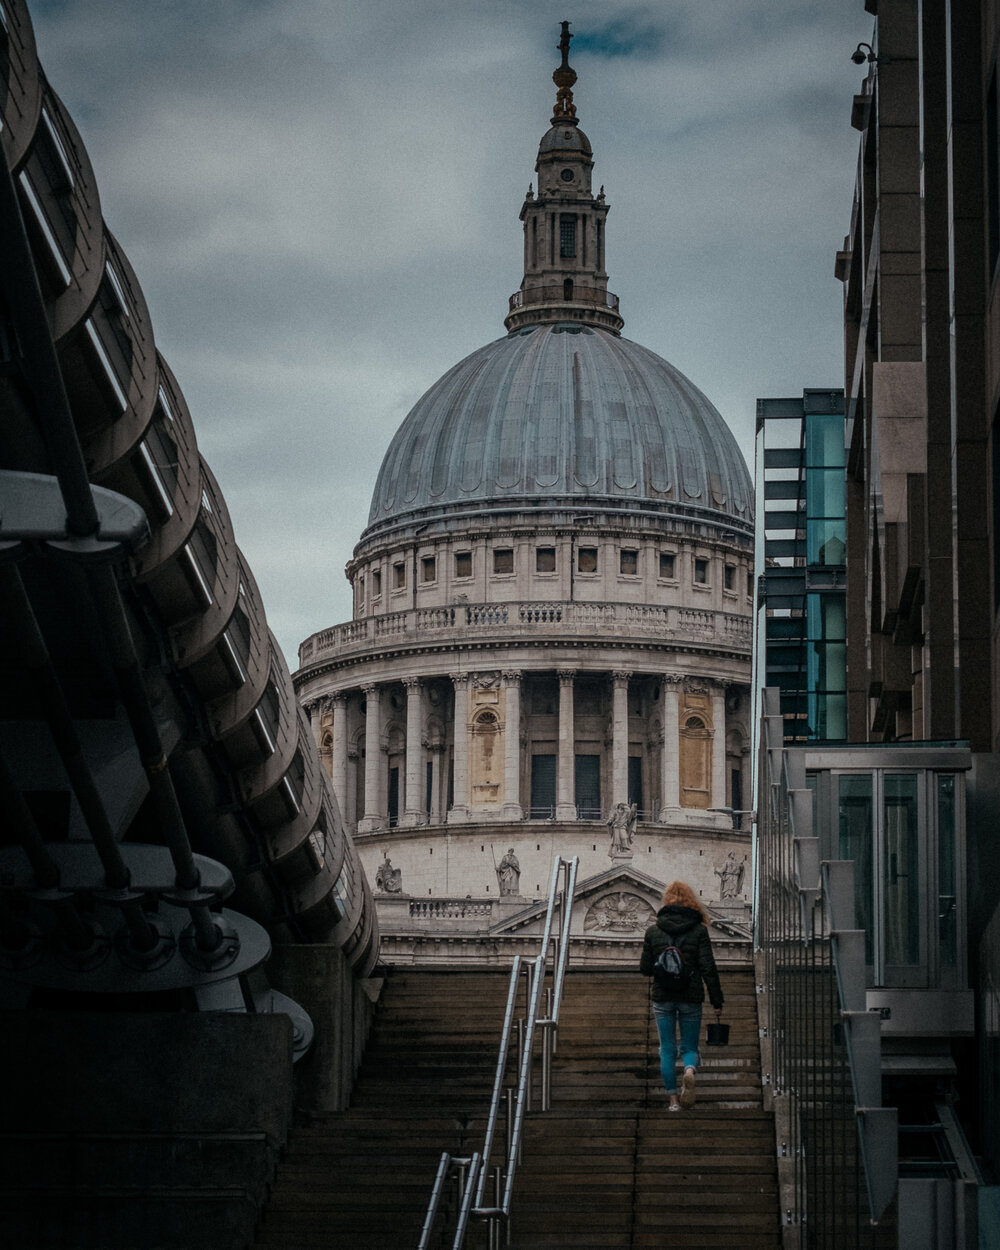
x=564, y=226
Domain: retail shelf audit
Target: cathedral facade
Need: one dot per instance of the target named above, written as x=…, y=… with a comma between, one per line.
x=551, y=640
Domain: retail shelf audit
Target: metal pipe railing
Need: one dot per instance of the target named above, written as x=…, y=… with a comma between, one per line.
x=472, y=1191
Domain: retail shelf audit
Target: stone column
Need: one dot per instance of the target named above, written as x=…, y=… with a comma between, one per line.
x=671, y=749
x=718, y=747
x=438, y=814
x=512, y=809
x=619, y=738
x=566, y=763
x=353, y=756
x=338, y=768
x=460, y=802
x=414, y=807
x=374, y=816
x=313, y=710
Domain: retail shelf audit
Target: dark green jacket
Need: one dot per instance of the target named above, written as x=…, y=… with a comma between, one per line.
x=682, y=927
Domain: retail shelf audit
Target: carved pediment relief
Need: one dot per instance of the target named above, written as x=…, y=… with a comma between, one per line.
x=621, y=912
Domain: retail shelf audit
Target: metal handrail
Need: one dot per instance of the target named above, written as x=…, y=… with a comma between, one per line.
x=508, y=1027
x=472, y=1185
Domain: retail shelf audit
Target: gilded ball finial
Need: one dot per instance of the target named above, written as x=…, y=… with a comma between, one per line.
x=564, y=78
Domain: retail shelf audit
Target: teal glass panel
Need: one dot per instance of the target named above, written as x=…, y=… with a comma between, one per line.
x=901, y=887
x=825, y=492
x=826, y=541
x=826, y=618
x=827, y=666
x=855, y=812
x=947, y=890
x=825, y=440
x=828, y=716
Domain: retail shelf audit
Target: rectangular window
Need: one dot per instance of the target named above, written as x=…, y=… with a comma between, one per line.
x=666, y=564
x=567, y=235
x=376, y=583
x=855, y=815
x=545, y=559
x=729, y=577
x=587, y=778
x=393, y=797
x=503, y=560
x=398, y=576
x=901, y=882
x=947, y=879
x=701, y=572
x=586, y=559
x=543, y=787
x=463, y=563
x=635, y=780
x=629, y=562
x=428, y=568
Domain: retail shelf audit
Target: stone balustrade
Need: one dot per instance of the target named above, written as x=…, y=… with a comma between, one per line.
x=620, y=621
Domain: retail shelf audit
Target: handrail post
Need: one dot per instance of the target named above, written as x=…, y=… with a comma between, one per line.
x=547, y=1065
x=432, y=1206
x=517, y=1099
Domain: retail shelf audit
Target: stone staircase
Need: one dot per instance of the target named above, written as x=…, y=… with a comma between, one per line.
x=607, y=1167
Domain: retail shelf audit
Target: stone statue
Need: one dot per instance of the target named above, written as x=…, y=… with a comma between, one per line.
x=621, y=824
x=388, y=880
x=509, y=873
x=730, y=877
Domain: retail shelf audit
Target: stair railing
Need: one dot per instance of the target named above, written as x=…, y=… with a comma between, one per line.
x=472, y=1171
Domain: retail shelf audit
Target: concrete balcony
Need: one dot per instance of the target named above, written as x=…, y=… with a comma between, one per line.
x=622, y=622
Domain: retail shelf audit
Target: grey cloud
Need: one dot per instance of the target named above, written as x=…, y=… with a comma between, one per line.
x=321, y=201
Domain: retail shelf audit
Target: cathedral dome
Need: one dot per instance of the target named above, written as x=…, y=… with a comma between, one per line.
x=563, y=415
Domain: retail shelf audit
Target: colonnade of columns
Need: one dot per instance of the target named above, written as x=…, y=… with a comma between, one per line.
x=413, y=807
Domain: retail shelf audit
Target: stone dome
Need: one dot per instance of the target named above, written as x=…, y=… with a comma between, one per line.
x=565, y=138
x=564, y=416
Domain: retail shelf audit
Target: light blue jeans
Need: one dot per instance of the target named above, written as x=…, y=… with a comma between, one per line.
x=668, y=1016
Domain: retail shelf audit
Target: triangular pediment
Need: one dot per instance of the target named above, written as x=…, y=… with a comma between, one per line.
x=619, y=903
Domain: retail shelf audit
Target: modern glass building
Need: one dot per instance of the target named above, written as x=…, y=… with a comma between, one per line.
x=801, y=591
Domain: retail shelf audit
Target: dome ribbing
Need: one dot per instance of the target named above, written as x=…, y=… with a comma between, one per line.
x=562, y=415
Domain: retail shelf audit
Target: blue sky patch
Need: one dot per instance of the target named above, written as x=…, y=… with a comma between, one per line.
x=618, y=39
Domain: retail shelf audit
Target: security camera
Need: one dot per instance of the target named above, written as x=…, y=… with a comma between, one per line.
x=858, y=57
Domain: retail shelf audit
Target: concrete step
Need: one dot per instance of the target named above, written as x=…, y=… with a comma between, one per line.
x=608, y=1166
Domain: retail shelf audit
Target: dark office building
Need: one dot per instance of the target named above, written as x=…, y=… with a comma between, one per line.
x=879, y=882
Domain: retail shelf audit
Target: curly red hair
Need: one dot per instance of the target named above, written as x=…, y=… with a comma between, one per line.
x=680, y=894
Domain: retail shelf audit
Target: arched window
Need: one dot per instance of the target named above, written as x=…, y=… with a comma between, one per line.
x=487, y=758
x=696, y=763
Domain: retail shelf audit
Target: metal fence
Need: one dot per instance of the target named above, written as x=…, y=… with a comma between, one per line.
x=837, y=1145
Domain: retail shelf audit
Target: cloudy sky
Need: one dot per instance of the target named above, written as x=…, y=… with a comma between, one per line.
x=321, y=198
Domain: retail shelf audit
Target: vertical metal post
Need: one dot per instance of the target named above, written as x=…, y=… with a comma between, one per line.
x=547, y=1066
